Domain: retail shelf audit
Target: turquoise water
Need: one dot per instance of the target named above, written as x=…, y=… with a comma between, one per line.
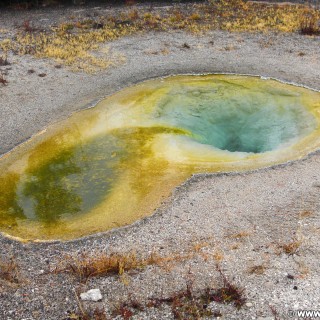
x=235, y=118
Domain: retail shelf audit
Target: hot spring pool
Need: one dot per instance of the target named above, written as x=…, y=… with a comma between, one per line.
x=110, y=165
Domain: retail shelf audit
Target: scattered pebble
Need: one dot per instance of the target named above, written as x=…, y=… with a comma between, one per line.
x=91, y=295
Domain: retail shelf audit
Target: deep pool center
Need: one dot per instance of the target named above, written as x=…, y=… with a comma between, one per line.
x=113, y=164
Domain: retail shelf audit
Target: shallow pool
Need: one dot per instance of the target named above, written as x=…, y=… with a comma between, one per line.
x=110, y=165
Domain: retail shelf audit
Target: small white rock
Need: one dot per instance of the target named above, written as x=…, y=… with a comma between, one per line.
x=91, y=295
x=249, y=304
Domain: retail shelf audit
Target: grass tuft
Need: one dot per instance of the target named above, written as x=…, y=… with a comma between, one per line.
x=9, y=271
x=305, y=214
x=229, y=293
x=85, y=314
x=185, y=304
x=85, y=265
x=241, y=234
x=310, y=25
x=126, y=309
x=3, y=80
x=291, y=247
x=189, y=305
x=257, y=269
x=4, y=61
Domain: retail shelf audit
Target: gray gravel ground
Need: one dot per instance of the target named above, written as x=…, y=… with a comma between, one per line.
x=240, y=221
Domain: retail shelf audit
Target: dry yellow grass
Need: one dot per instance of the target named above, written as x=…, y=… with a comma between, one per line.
x=198, y=246
x=100, y=263
x=240, y=235
x=9, y=271
x=305, y=214
x=257, y=269
x=77, y=43
x=79, y=51
x=218, y=255
x=263, y=17
x=291, y=248
x=85, y=265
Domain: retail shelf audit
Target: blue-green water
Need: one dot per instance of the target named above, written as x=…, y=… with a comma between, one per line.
x=235, y=118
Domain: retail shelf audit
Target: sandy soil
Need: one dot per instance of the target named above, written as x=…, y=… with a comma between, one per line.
x=239, y=221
